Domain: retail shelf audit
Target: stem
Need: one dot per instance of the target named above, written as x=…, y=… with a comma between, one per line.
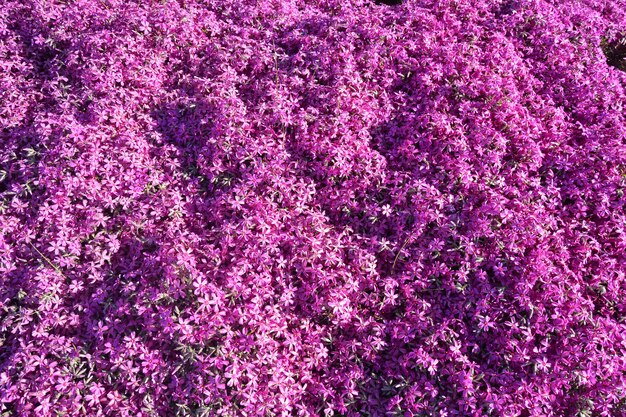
x=56, y=268
x=398, y=254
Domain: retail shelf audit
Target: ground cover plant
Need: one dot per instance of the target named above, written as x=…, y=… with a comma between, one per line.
x=312, y=208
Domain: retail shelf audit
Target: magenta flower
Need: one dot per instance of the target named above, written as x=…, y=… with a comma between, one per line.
x=384, y=208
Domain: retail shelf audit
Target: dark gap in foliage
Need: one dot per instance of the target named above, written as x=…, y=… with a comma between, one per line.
x=290, y=46
x=388, y=2
x=507, y=8
x=615, y=52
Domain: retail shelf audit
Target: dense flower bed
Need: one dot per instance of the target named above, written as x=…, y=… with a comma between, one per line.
x=312, y=208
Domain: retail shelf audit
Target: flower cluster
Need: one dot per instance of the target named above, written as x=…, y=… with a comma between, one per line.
x=312, y=208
